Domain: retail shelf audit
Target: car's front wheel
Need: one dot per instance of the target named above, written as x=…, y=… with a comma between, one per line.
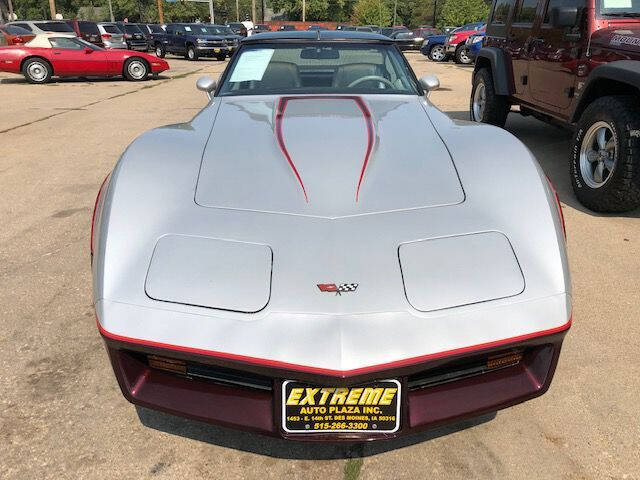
x=221, y=57
x=462, y=56
x=437, y=53
x=135, y=69
x=160, y=51
x=485, y=105
x=605, y=155
x=37, y=70
x=192, y=54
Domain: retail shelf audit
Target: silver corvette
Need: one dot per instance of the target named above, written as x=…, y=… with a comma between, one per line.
x=321, y=254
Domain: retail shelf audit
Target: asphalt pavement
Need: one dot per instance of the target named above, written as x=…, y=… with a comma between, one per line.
x=63, y=416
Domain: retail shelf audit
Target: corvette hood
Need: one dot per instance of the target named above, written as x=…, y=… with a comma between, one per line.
x=325, y=157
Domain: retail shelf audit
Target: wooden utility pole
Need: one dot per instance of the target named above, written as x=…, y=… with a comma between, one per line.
x=304, y=10
x=254, y=17
x=111, y=12
x=160, y=11
x=237, y=10
x=435, y=5
x=52, y=7
x=11, y=11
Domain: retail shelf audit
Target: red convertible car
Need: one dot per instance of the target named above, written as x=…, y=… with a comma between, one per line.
x=64, y=56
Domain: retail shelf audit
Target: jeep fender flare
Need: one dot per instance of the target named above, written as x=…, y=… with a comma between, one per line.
x=625, y=73
x=496, y=59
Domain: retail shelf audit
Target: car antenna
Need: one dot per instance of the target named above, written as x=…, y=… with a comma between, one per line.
x=318, y=34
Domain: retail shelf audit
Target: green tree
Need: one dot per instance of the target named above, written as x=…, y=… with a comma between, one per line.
x=371, y=12
x=459, y=12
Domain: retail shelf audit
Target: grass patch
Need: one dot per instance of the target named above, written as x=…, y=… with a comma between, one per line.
x=352, y=468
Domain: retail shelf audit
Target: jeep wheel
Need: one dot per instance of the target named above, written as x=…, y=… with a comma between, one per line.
x=485, y=106
x=437, y=53
x=462, y=56
x=605, y=155
x=221, y=57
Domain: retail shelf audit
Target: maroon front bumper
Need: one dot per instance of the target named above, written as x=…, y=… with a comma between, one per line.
x=258, y=408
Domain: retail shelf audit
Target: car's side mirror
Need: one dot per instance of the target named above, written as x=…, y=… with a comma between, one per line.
x=207, y=85
x=429, y=83
x=88, y=50
x=562, y=17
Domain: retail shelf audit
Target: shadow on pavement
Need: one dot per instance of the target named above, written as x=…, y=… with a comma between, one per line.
x=551, y=146
x=287, y=449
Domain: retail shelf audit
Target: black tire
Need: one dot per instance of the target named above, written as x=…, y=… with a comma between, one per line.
x=617, y=187
x=221, y=57
x=160, y=50
x=462, y=56
x=37, y=70
x=496, y=107
x=192, y=53
x=434, y=56
x=136, y=69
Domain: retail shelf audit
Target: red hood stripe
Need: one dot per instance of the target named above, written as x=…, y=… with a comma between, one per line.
x=280, y=109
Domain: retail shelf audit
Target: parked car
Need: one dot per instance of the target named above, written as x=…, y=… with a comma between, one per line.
x=316, y=27
x=455, y=44
x=232, y=40
x=474, y=44
x=407, y=39
x=425, y=32
x=192, y=40
x=287, y=28
x=13, y=35
x=57, y=55
x=88, y=31
x=269, y=280
x=387, y=31
x=261, y=28
x=44, y=26
x=238, y=28
x=133, y=36
x=573, y=63
x=434, y=46
x=150, y=31
x=345, y=28
x=112, y=36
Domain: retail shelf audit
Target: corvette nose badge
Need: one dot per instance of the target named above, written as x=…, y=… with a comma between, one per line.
x=338, y=289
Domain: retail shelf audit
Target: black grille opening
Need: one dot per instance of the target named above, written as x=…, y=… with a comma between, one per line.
x=469, y=368
x=211, y=373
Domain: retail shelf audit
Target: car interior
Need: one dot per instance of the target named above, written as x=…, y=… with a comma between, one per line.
x=305, y=69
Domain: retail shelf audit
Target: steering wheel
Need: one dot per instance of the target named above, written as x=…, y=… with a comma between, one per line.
x=369, y=78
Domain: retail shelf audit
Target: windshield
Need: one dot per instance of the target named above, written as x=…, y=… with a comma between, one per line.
x=619, y=8
x=211, y=30
x=55, y=27
x=111, y=29
x=322, y=68
x=14, y=30
x=131, y=28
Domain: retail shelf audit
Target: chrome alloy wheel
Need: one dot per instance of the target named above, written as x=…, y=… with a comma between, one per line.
x=37, y=71
x=191, y=53
x=158, y=51
x=479, y=101
x=437, y=53
x=464, y=56
x=137, y=69
x=598, y=153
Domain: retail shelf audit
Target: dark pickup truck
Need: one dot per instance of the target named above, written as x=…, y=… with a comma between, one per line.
x=574, y=63
x=192, y=40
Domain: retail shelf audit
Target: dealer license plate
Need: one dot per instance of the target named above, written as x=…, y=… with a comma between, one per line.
x=373, y=408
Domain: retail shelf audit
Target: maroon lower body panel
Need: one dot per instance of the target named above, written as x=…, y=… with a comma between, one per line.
x=259, y=409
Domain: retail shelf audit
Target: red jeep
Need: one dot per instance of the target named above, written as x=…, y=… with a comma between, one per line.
x=576, y=62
